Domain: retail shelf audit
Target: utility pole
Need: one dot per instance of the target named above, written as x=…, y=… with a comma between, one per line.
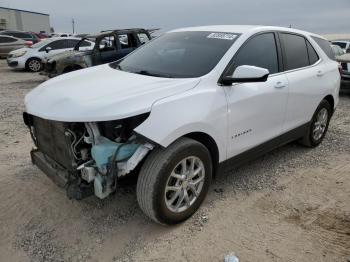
x=73, y=25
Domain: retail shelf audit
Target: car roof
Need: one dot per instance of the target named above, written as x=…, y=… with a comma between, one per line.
x=117, y=31
x=243, y=29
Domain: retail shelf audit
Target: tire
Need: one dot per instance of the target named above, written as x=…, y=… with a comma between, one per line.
x=156, y=176
x=310, y=139
x=34, y=65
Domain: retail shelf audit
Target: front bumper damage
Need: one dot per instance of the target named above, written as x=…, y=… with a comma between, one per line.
x=95, y=169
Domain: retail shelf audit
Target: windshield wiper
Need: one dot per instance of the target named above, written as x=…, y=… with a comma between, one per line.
x=148, y=73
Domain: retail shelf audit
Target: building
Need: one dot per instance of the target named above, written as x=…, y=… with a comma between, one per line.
x=15, y=19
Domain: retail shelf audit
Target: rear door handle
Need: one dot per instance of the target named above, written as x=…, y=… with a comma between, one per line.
x=279, y=84
x=320, y=73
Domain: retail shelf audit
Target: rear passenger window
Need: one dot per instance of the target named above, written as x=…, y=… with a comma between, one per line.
x=59, y=44
x=258, y=51
x=127, y=41
x=143, y=38
x=295, y=51
x=71, y=43
x=313, y=57
x=326, y=47
x=85, y=43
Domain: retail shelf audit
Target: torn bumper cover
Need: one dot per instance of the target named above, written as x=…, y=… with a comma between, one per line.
x=78, y=157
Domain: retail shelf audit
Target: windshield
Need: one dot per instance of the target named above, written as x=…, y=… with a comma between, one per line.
x=178, y=55
x=41, y=43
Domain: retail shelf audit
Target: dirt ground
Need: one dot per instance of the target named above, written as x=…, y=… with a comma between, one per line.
x=290, y=205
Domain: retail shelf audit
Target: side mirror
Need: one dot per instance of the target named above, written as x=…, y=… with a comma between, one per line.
x=246, y=74
x=48, y=49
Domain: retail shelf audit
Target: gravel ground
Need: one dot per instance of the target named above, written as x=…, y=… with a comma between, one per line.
x=290, y=205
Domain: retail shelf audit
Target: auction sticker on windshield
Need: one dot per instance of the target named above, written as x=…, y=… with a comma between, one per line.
x=223, y=36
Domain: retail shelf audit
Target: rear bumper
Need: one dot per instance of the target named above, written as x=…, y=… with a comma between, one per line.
x=52, y=169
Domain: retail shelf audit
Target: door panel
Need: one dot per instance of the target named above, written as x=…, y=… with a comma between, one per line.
x=305, y=91
x=306, y=76
x=256, y=112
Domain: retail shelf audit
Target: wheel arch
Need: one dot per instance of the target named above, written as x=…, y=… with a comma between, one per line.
x=34, y=57
x=330, y=100
x=210, y=144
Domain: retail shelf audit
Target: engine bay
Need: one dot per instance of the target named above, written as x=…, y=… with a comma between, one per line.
x=87, y=158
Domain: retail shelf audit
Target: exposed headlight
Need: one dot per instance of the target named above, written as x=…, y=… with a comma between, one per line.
x=19, y=54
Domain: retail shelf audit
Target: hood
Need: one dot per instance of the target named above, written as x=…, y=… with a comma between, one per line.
x=72, y=54
x=101, y=93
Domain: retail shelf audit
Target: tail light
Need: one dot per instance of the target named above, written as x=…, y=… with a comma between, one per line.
x=29, y=43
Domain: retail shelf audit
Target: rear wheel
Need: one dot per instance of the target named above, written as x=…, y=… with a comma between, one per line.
x=319, y=125
x=174, y=181
x=33, y=65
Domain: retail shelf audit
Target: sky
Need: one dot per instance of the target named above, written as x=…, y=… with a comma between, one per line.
x=319, y=16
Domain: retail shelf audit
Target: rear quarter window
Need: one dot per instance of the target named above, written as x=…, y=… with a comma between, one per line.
x=313, y=57
x=325, y=46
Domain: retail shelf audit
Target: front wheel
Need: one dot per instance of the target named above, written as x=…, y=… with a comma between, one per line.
x=33, y=65
x=319, y=125
x=174, y=181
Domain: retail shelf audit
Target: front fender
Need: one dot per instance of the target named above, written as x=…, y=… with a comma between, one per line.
x=197, y=110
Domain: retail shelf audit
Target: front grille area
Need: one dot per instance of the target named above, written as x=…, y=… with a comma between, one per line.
x=52, y=141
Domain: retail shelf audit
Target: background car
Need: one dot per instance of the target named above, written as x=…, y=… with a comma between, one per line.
x=9, y=43
x=344, y=61
x=337, y=50
x=110, y=46
x=343, y=44
x=41, y=36
x=60, y=35
x=31, y=58
x=28, y=36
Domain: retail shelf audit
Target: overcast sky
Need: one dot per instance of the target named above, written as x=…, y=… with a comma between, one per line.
x=320, y=16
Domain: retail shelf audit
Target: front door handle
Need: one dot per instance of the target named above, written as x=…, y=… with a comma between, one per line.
x=279, y=84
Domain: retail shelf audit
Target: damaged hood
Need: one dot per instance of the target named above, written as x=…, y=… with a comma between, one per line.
x=101, y=93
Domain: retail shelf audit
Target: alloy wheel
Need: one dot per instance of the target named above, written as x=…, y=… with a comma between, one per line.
x=320, y=124
x=184, y=184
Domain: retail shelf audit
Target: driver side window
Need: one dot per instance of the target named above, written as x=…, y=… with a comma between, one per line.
x=260, y=51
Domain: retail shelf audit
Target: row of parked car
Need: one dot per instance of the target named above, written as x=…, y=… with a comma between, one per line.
x=50, y=55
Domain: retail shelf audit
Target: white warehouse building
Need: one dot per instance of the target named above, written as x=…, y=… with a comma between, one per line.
x=16, y=19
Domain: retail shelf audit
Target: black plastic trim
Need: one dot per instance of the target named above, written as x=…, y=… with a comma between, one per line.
x=264, y=148
x=51, y=168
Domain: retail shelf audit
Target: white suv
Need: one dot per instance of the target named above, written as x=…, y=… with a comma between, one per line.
x=179, y=108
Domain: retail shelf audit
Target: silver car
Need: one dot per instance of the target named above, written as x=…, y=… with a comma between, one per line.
x=10, y=43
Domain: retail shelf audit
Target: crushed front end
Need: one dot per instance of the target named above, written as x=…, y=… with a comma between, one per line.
x=87, y=158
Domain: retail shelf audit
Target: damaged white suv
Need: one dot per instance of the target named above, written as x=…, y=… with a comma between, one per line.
x=178, y=108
